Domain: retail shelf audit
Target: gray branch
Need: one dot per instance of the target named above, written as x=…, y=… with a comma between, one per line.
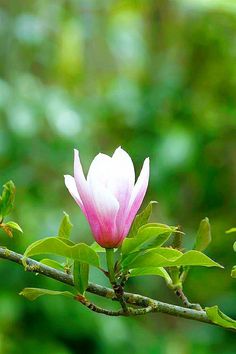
x=147, y=304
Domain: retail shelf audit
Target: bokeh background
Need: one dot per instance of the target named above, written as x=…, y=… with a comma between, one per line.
x=158, y=78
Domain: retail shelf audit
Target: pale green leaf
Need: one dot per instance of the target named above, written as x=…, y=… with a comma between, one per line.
x=168, y=253
x=148, y=236
x=203, y=235
x=65, y=227
x=233, y=229
x=7, y=199
x=151, y=271
x=234, y=246
x=219, y=318
x=51, y=263
x=141, y=219
x=97, y=248
x=13, y=225
x=54, y=245
x=233, y=272
x=33, y=293
x=81, y=276
x=154, y=259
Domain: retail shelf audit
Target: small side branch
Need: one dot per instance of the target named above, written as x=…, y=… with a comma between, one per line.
x=91, y=306
x=144, y=304
x=179, y=292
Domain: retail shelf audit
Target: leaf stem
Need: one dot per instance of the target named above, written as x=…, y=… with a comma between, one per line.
x=118, y=289
x=110, y=264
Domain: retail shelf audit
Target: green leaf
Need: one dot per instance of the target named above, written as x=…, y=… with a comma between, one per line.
x=168, y=253
x=51, y=263
x=233, y=229
x=219, y=318
x=7, y=199
x=97, y=248
x=234, y=246
x=6, y=229
x=81, y=276
x=151, y=271
x=141, y=219
x=196, y=258
x=154, y=258
x=233, y=272
x=33, y=293
x=13, y=225
x=203, y=235
x=148, y=236
x=65, y=227
x=9, y=227
x=54, y=245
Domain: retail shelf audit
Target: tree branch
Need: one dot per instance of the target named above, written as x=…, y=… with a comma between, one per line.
x=147, y=304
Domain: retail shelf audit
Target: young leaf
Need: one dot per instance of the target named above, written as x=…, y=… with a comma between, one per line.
x=9, y=227
x=55, y=245
x=234, y=246
x=219, y=318
x=81, y=275
x=33, y=293
x=203, y=235
x=52, y=263
x=233, y=229
x=97, y=248
x=153, y=259
x=148, y=236
x=141, y=219
x=233, y=272
x=6, y=229
x=168, y=253
x=160, y=271
x=65, y=227
x=196, y=258
x=13, y=225
x=7, y=199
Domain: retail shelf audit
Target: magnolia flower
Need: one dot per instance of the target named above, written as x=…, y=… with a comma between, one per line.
x=109, y=197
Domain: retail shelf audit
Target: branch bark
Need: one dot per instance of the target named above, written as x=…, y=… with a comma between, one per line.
x=147, y=304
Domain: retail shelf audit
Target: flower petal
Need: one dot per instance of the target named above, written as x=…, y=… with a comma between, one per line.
x=100, y=169
x=106, y=207
x=71, y=186
x=138, y=194
x=121, y=183
x=123, y=168
x=82, y=187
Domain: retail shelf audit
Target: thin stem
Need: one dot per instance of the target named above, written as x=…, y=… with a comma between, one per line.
x=184, y=274
x=178, y=238
x=179, y=292
x=133, y=299
x=118, y=289
x=110, y=264
x=91, y=306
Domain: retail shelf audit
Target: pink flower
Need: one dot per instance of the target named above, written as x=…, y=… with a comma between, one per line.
x=109, y=197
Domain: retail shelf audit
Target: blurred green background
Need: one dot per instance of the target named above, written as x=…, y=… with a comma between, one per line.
x=158, y=78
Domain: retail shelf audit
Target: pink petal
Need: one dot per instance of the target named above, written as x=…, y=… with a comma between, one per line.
x=80, y=180
x=82, y=187
x=122, y=183
x=100, y=169
x=138, y=194
x=71, y=186
x=106, y=207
